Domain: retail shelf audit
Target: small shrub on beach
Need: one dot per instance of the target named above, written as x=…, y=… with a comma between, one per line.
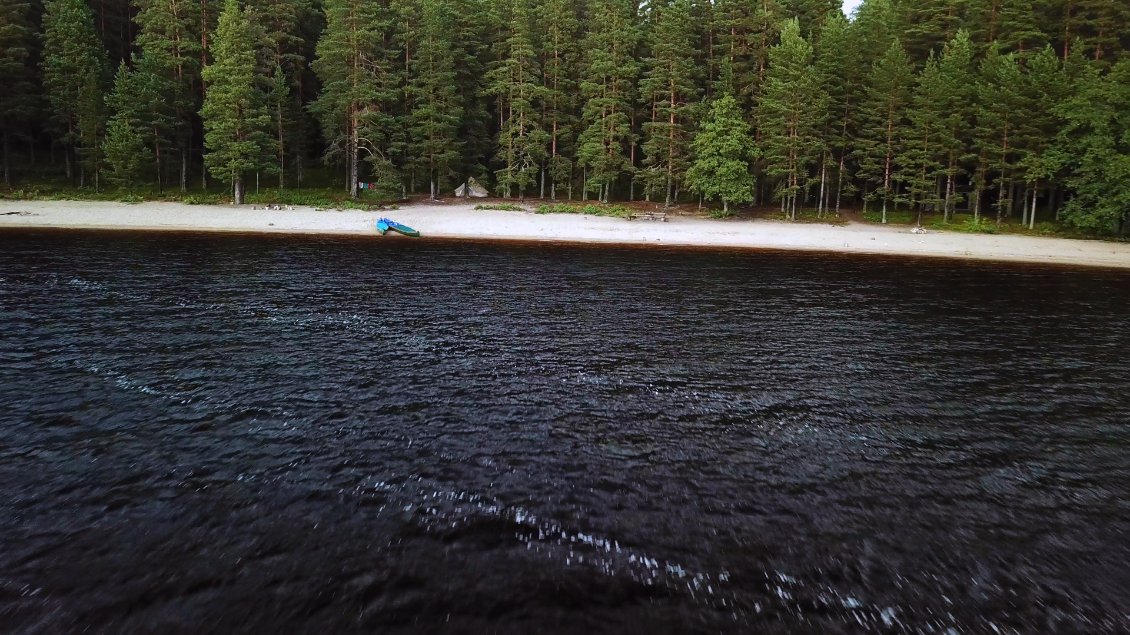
x=979, y=226
x=591, y=209
x=501, y=207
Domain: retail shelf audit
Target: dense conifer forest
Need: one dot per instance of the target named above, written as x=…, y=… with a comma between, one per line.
x=1016, y=109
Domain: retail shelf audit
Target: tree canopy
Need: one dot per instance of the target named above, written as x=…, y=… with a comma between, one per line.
x=1007, y=109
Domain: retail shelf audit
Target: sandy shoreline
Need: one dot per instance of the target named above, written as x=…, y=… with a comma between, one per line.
x=461, y=221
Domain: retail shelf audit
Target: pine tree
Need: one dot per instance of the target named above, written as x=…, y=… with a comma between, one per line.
x=721, y=169
x=793, y=108
x=1094, y=145
x=1000, y=104
x=669, y=84
x=234, y=113
x=811, y=14
x=471, y=43
x=356, y=88
x=837, y=60
x=932, y=23
x=878, y=24
x=282, y=60
x=955, y=105
x=1019, y=27
x=921, y=162
x=1105, y=28
x=559, y=54
x=436, y=110
x=170, y=41
x=743, y=32
x=607, y=85
x=17, y=108
x=1043, y=88
x=882, y=118
x=516, y=80
x=74, y=68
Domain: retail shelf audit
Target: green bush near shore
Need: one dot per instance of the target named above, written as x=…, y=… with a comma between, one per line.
x=501, y=207
x=591, y=209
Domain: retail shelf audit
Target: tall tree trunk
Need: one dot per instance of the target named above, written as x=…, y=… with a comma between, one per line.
x=1032, y=214
x=7, y=163
x=354, y=145
x=282, y=150
x=238, y=190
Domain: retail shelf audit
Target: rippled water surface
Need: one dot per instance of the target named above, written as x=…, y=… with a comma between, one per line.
x=208, y=434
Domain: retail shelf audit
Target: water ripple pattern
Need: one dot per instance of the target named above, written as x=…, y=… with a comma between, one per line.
x=233, y=434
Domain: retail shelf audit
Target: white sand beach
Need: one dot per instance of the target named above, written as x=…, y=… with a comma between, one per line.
x=461, y=221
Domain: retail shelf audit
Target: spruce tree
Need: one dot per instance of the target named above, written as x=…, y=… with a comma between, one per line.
x=74, y=68
x=436, y=110
x=793, y=108
x=669, y=84
x=721, y=169
x=882, y=119
x=608, y=86
x=17, y=108
x=126, y=149
x=356, y=89
x=234, y=113
x=141, y=98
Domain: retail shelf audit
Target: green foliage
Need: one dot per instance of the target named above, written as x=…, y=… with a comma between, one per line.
x=234, y=113
x=721, y=168
x=17, y=108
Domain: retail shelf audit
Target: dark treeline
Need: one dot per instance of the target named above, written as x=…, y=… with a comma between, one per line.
x=998, y=108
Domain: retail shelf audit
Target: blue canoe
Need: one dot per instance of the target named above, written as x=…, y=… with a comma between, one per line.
x=386, y=224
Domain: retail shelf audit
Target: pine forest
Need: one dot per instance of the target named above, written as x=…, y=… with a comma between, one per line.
x=993, y=110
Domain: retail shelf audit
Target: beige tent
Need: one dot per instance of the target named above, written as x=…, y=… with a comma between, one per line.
x=476, y=190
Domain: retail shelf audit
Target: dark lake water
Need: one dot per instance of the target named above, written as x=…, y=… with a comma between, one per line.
x=216, y=434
